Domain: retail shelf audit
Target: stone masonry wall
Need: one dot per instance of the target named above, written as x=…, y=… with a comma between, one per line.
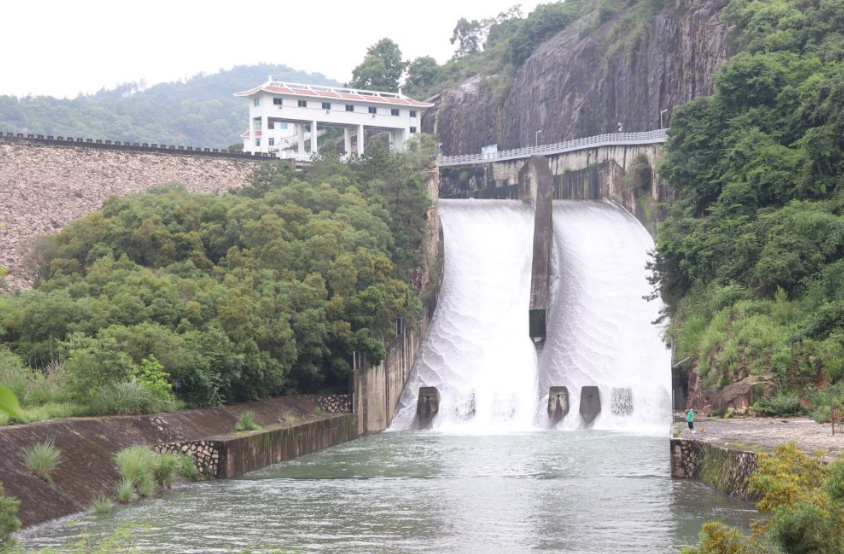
x=44, y=187
x=725, y=469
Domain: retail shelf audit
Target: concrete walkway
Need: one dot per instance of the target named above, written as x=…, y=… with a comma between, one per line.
x=763, y=434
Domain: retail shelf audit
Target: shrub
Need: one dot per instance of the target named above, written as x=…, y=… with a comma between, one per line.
x=152, y=376
x=781, y=405
x=101, y=504
x=42, y=459
x=125, y=491
x=9, y=522
x=187, y=468
x=287, y=417
x=246, y=422
x=93, y=363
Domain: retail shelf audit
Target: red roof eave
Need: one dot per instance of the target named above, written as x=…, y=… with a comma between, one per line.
x=329, y=94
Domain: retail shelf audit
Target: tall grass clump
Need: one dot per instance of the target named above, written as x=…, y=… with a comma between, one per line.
x=246, y=422
x=129, y=398
x=163, y=468
x=125, y=491
x=101, y=504
x=186, y=468
x=42, y=459
x=136, y=464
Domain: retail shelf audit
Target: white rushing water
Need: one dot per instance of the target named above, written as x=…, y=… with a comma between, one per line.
x=599, y=332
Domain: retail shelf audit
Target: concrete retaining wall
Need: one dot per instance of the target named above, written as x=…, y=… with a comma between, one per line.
x=723, y=468
x=88, y=445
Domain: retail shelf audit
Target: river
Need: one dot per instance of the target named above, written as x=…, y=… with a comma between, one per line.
x=580, y=491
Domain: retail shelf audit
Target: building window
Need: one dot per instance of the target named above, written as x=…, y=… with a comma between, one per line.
x=276, y=101
x=412, y=130
x=271, y=142
x=412, y=113
x=373, y=109
x=256, y=102
x=258, y=142
x=270, y=125
x=303, y=103
x=350, y=108
x=284, y=126
x=326, y=105
x=394, y=111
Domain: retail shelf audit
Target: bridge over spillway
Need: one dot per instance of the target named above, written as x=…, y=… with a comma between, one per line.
x=598, y=141
x=615, y=166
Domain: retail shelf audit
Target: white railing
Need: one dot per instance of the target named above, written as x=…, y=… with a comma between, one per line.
x=611, y=139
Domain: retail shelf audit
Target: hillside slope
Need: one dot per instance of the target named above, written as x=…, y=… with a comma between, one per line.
x=198, y=112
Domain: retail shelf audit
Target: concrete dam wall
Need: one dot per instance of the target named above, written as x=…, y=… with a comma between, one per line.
x=45, y=185
x=625, y=174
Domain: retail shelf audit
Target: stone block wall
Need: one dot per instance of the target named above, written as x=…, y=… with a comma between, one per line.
x=725, y=469
x=45, y=186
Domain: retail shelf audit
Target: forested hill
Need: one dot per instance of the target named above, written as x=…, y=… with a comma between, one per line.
x=751, y=259
x=198, y=112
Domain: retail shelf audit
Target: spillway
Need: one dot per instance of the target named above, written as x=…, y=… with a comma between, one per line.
x=477, y=354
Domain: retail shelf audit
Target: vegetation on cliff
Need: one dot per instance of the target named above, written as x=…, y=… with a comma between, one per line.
x=272, y=288
x=750, y=259
x=201, y=111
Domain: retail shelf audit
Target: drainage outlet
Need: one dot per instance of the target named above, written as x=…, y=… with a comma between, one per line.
x=590, y=403
x=558, y=403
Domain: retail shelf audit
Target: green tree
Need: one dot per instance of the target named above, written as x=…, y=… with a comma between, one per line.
x=381, y=68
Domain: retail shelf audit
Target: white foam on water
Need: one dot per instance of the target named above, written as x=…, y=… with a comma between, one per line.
x=599, y=331
x=478, y=353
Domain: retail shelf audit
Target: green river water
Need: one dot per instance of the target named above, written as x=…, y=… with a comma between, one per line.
x=581, y=491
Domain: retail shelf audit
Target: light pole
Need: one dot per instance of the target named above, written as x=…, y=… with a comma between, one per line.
x=536, y=138
x=661, y=126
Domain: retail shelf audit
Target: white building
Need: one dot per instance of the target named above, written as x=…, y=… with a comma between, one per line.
x=282, y=117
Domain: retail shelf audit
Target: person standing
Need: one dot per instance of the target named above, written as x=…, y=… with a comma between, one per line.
x=690, y=418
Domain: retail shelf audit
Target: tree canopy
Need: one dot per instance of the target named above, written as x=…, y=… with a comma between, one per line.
x=381, y=69
x=267, y=289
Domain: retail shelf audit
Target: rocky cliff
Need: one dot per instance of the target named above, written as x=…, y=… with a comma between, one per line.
x=588, y=79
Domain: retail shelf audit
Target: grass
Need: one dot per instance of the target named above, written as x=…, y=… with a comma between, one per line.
x=101, y=504
x=186, y=468
x=129, y=398
x=163, y=469
x=42, y=459
x=246, y=422
x=287, y=417
x=125, y=491
x=135, y=464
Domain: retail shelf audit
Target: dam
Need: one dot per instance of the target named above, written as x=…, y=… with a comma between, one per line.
x=494, y=471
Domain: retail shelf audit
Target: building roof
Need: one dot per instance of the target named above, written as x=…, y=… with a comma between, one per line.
x=337, y=93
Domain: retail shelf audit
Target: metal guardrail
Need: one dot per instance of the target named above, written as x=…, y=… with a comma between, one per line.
x=611, y=139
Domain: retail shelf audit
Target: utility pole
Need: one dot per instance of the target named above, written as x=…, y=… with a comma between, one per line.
x=536, y=138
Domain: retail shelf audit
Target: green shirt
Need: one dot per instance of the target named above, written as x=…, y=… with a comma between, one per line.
x=690, y=416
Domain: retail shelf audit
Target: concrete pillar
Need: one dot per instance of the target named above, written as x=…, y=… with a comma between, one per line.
x=264, y=134
x=347, y=141
x=360, y=140
x=251, y=140
x=314, y=138
x=300, y=145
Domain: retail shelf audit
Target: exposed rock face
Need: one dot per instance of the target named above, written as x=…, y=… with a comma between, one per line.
x=573, y=87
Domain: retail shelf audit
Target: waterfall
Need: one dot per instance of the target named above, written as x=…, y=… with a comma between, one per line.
x=600, y=330
x=478, y=354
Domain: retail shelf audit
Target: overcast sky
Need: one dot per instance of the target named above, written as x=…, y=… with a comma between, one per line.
x=64, y=47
